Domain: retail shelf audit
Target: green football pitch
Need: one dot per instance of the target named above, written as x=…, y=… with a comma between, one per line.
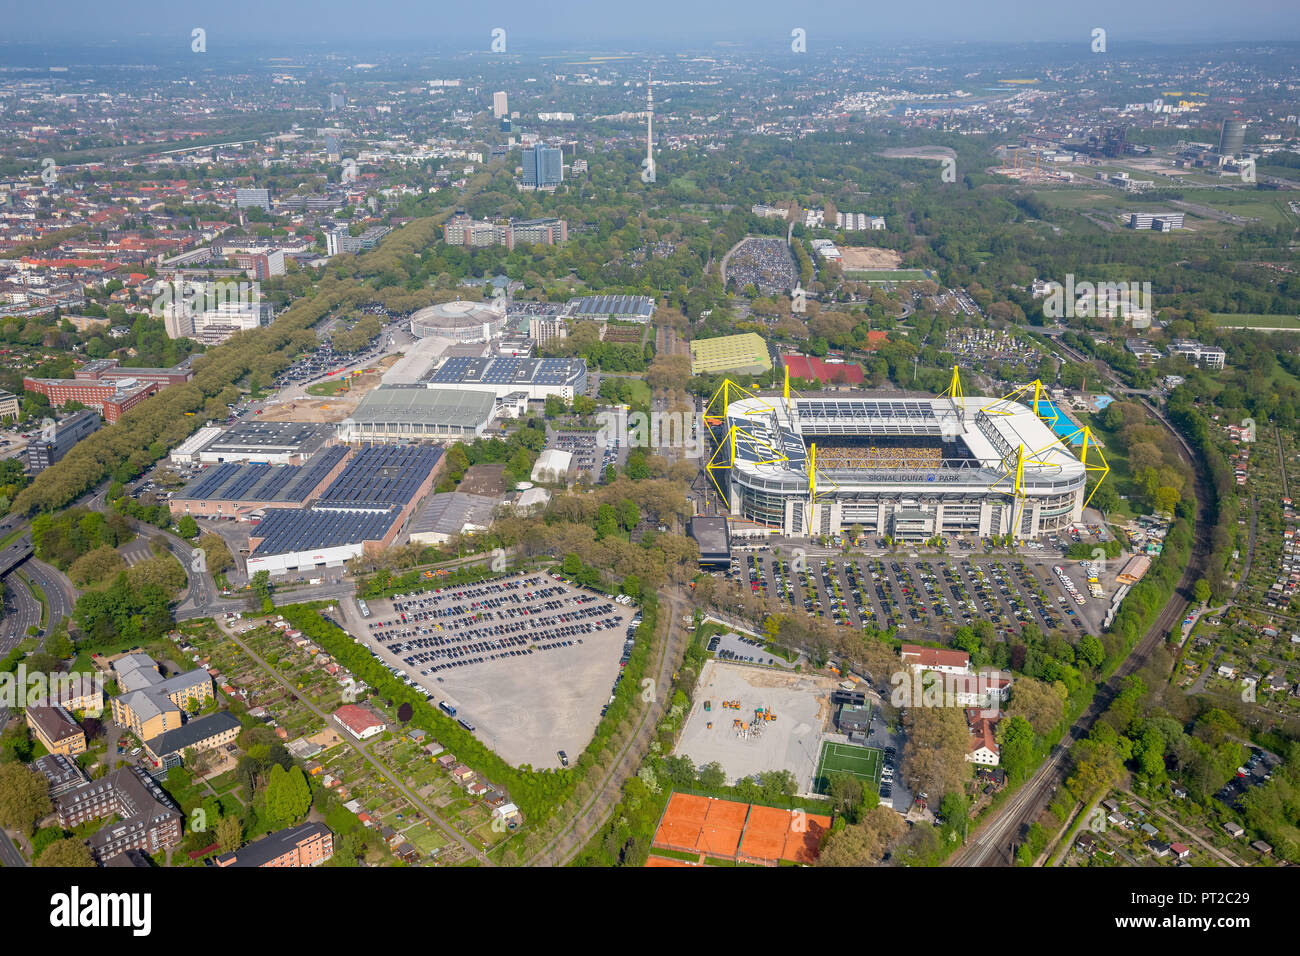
x=861, y=762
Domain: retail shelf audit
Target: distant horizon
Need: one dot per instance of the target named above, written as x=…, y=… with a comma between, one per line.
x=675, y=25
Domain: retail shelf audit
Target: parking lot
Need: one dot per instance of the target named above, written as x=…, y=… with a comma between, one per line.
x=745, y=650
x=800, y=704
x=931, y=593
x=528, y=662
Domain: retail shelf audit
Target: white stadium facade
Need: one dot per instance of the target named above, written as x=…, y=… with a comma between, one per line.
x=905, y=468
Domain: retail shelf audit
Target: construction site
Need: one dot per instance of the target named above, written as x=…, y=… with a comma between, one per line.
x=752, y=720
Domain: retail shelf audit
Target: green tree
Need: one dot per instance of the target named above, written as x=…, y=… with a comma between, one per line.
x=65, y=853
x=1201, y=590
x=606, y=522
x=188, y=527
x=229, y=833
x=24, y=797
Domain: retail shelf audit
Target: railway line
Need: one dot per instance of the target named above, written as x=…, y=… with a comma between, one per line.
x=993, y=843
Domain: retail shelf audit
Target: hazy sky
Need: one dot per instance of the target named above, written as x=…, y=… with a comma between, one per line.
x=536, y=25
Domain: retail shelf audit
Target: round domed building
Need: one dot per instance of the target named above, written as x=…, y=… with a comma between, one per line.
x=459, y=321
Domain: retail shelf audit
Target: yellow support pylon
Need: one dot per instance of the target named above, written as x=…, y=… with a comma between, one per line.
x=954, y=391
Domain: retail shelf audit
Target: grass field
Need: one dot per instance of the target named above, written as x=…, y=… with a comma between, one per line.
x=861, y=762
x=885, y=275
x=1253, y=319
x=327, y=389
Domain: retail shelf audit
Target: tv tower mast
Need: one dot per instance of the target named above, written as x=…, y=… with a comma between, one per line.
x=648, y=164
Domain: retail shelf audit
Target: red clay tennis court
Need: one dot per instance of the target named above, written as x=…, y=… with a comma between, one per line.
x=679, y=828
x=804, y=847
x=728, y=830
x=665, y=861
x=765, y=835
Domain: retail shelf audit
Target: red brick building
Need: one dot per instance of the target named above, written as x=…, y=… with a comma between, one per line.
x=308, y=844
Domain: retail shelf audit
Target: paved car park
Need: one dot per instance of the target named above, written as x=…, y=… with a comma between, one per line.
x=925, y=593
x=528, y=661
x=745, y=650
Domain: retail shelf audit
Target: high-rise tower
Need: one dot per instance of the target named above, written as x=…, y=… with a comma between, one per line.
x=648, y=165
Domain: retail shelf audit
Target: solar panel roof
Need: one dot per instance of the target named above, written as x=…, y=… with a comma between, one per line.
x=309, y=529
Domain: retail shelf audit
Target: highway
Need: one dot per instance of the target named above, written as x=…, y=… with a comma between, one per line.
x=993, y=844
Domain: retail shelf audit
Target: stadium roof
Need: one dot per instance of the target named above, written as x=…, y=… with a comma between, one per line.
x=433, y=406
x=771, y=440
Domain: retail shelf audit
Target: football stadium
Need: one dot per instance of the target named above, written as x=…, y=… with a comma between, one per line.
x=908, y=468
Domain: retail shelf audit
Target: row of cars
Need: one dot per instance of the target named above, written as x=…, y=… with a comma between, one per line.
x=888, y=768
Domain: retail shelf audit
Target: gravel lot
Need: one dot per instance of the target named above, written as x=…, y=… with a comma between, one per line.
x=801, y=703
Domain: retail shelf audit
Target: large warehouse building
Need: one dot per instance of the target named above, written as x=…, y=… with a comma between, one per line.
x=232, y=490
x=361, y=512
x=415, y=413
x=537, y=378
x=267, y=443
x=906, y=468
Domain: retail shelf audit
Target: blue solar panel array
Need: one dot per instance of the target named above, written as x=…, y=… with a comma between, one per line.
x=262, y=482
x=311, y=529
x=512, y=370
x=383, y=474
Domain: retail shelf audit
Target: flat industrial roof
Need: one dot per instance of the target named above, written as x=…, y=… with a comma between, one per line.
x=276, y=483
x=383, y=474
x=509, y=370
x=637, y=305
x=285, y=530
x=271, y=437
x=449, y=513
x=434, y=406
x=711, y=535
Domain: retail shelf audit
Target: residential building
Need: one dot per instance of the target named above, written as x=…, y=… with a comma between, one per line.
x=935, y=659
x=56, y=730
x=9, y=405
x=1206, y=356
x=150, y=704
x=62, y=773
x=308, y=844
x=500, y=105
x=248, y=198
x=202, y=733
x=983, y=748
x=149, y=820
